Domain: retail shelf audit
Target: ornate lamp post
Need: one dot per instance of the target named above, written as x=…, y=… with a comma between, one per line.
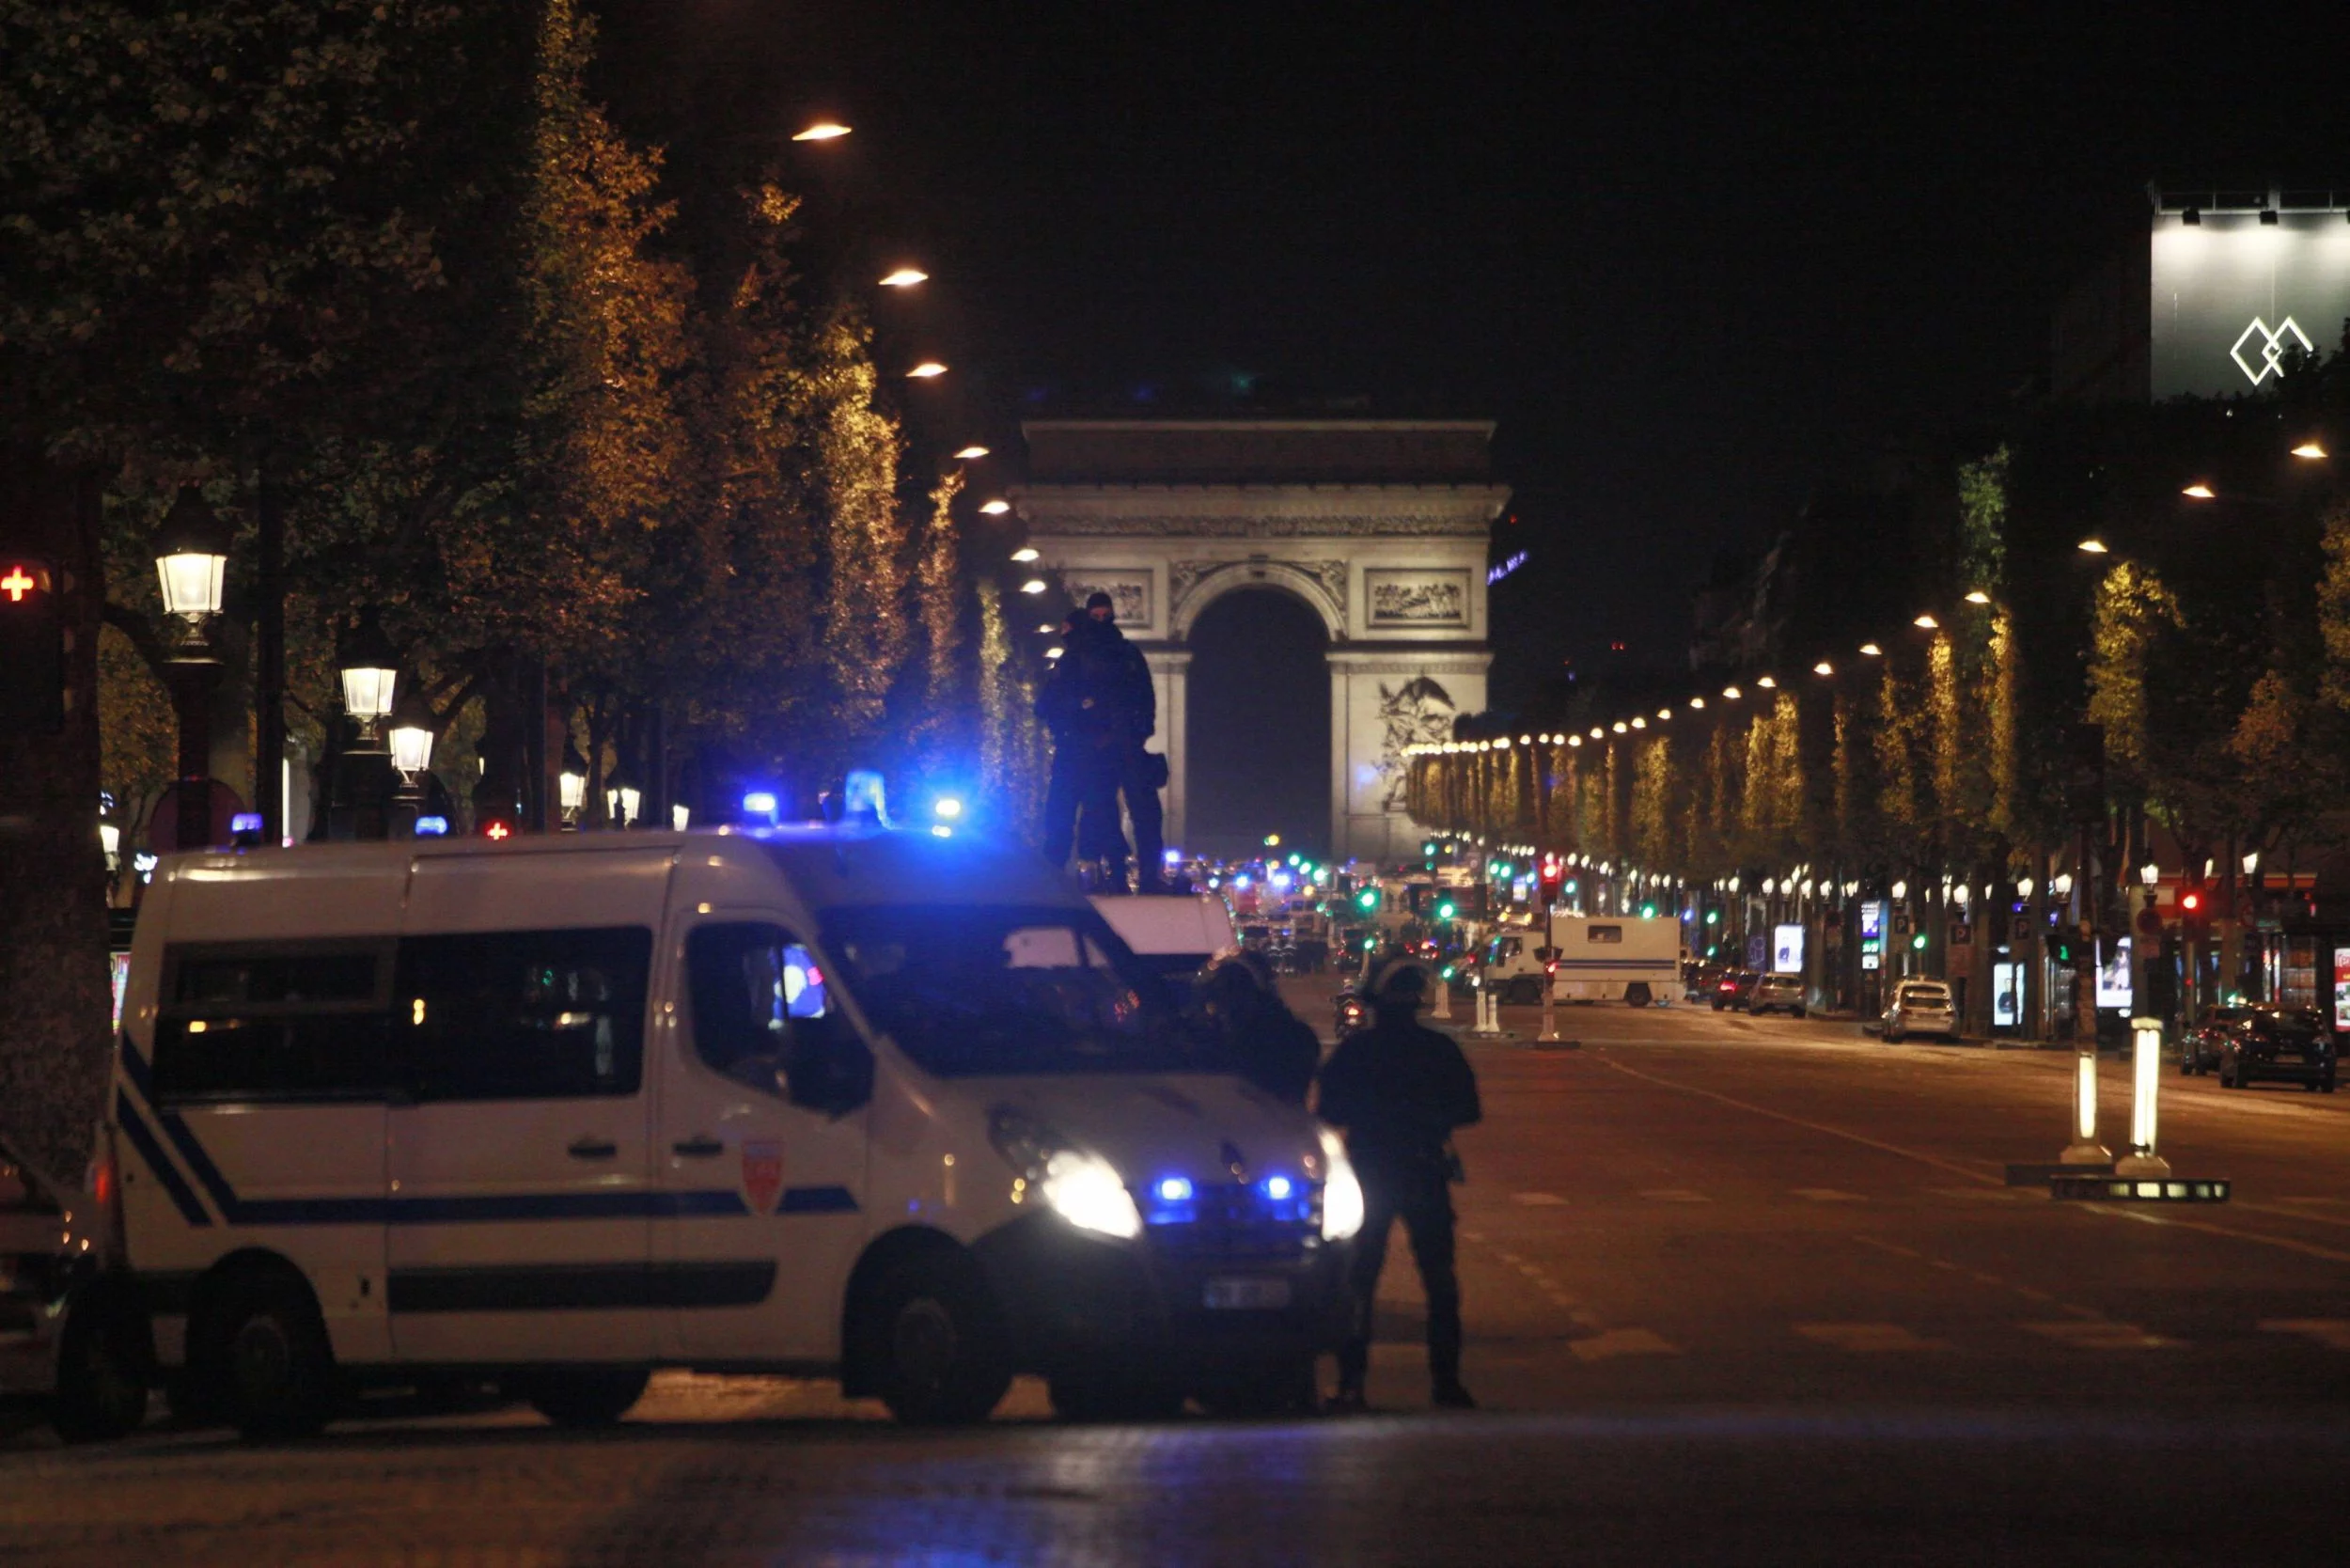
x=623, y=796
x=411, y=736
x=368, y=666
x=191, y=561
x=572, y=785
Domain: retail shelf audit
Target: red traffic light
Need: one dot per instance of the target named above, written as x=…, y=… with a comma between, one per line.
x=496, y=830
x=2191, y=902
x=16, y=583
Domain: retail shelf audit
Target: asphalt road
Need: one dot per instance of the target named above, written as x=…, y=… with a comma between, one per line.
x=1737, y=1290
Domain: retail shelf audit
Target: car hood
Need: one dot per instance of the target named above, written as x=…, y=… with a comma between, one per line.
x=1152, y=1127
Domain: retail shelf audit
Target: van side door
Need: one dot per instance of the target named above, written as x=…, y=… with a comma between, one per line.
x=764, y=1087
x=521, y=1204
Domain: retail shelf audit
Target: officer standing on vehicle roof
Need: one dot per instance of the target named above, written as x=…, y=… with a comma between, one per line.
x=1398, y=1090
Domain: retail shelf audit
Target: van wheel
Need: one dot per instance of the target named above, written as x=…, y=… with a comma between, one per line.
x=103, y=1362
x=1525, y=993
x=1637, y=993
x=586, y=1396
x=270, y=1361
x=943, y=1359
x=1115, y=1391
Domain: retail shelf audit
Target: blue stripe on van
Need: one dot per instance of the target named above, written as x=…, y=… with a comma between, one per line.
x=135, y=1128
x=1617, y=963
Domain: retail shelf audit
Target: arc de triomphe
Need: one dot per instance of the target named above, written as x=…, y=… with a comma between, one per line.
x=1380, y=526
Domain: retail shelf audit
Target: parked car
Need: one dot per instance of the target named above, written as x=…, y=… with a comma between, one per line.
x=69, y=1331
x=2289, y=1045
x=1921, y=1007
x=1735, y=987
x=1776, y=994
x=2199, y=1050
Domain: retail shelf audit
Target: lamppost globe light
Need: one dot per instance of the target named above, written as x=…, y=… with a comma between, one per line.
x=925, y=370
x=1026, y=553
x=571, y=784
x=1871, y=651
x=2198, y=491
x=2252, y=861
x=1927, y=621
x=1976, y=596
x=623, y=796
x=2092, y=547
x=1767, y=683
x=905, y=277
x=822, y=130
x=2149, y=874
x=1034, y=585
x=1824, y=668
x=2311, y=451
x=970, y=454
x=996, y=508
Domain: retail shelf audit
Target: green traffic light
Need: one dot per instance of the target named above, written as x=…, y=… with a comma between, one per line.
x=1647, y=912
x=1918, y=943
x=1445, y=911
x=1713, y=916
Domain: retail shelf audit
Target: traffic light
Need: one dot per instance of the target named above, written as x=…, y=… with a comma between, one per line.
x=2194, y=915
x=1918, y=943
x=32, y=649
x=1446, y=910
x=2062, y=946
x=1368, y=900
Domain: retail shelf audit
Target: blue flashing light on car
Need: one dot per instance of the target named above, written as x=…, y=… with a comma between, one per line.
x=1174, y=1189
x=1278, y=1188
x=947, y=807
x=760, y=803
x=431, y=827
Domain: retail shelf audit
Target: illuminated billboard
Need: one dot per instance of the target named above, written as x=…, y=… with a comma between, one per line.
x=2235, y=290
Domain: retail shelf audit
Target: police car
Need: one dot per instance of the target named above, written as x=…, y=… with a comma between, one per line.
x=558, y=1111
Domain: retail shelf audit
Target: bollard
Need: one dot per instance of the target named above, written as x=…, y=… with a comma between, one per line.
x=2145, y=1088
x=2085, y=1149
x=1444, y=1000
x=1550, y=1016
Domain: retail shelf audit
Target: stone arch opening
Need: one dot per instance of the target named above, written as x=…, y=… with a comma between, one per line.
x=1257, y=720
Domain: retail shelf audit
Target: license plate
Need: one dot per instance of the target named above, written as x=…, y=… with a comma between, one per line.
x=1247, y=1295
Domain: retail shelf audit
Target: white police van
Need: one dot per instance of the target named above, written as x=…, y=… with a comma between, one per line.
x=563, y=1110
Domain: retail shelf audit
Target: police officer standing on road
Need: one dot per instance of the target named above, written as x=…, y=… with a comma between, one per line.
x=1101, y=708
x=1398, y=1089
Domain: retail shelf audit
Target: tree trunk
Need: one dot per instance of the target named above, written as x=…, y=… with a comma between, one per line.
x=54, y=986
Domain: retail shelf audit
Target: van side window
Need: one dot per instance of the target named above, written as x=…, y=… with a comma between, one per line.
x=1602, y=933
x=522, y=1014
x=293, y=1021
x=753, y=988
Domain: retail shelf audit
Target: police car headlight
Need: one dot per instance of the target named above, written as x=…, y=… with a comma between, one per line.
x=1083, y=1188
x=1341, y=1194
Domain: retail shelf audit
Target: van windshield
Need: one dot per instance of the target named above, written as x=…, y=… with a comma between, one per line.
x=976, y=990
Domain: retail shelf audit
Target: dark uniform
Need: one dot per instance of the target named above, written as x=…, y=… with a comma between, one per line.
x=1272, y=1046
x=1100, y=706
x=1398, y=1090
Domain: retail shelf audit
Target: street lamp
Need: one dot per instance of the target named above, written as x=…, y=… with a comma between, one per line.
x=905, y=277
x=190, y=548
x=2149, y=874
x=411, y=735
x=370, y=667
x=2091, y=546
x=2309, y=451
x=996, y=508
x=970, y=454
x=622, y=795
x=2198, y=491
x=192, y=559
x=822, y=130
x=1977, y=596
x=2251, y=862
x=1927, y=621
x=571, y=784
x=925, y=370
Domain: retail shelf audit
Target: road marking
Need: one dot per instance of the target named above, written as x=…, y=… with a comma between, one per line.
x=1980, y=1195
x=2333, y=1333
x=1674, y=1195
x=2101, y=1334
x=2113, y=1211
x=1829, y=1195
x=1883, y=1244
x=1621, y=1341
x=1538, y=1199
x=1866, y=1338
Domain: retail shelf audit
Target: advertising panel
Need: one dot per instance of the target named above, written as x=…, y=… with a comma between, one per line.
x=2007, y=979
x=2342, y=988
x=2113, y=972
x=2233, y=295
x=1787, y=950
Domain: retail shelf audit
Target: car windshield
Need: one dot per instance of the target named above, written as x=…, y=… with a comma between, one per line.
x=974, y=990
x=1925, y=995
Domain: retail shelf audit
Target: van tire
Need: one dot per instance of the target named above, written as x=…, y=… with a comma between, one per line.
x=586, y=1396
x=106, y=1360
x=269, y=1360
x=1525, y=993
x=941, y=1354
x=1636, y=994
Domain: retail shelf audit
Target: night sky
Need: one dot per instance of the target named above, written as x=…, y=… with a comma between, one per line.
x=1694, y=259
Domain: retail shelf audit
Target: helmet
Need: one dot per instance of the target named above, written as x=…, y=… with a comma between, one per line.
x=1400, y=982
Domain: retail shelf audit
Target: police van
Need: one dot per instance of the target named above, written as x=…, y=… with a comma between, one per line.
x=823, y=1100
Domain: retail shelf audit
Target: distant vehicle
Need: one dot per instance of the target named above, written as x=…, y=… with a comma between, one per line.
x=1176, y=935
x=2288, y=1045
x=1921, y=1007
x=1733, y=987
x=2199, y=1050
x=1607, y=958
x=1776, y=994
x=1516, y=967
